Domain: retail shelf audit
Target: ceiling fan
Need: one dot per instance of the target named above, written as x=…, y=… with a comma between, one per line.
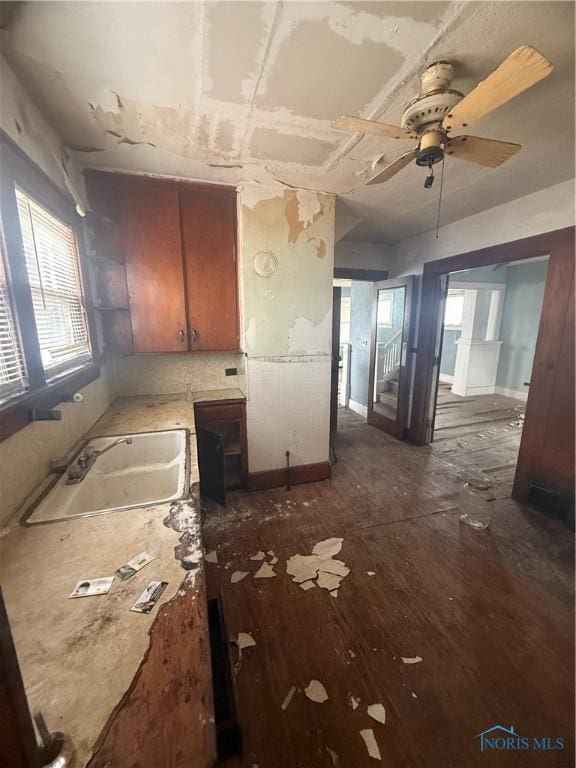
x=438, y=110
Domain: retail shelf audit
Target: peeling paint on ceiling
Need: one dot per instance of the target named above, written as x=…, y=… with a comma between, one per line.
x=245, y=92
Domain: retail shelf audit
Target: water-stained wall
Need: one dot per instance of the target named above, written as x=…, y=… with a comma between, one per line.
x=286, y=268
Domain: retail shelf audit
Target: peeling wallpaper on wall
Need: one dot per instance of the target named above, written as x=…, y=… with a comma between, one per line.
x=288, y=311
x=286, y=272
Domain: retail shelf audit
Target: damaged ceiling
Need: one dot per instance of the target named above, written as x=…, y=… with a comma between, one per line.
x=246, y=91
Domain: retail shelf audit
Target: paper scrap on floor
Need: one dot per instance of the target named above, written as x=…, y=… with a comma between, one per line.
x=149, y=597
x=133, y=566
x=90, y=587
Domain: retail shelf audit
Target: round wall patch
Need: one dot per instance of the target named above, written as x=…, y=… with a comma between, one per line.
x=265, y=263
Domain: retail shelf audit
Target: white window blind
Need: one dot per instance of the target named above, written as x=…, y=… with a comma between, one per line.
x=53, y=274
x=12, y=373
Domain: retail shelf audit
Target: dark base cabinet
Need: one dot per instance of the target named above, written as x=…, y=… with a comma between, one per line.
x=222, y=447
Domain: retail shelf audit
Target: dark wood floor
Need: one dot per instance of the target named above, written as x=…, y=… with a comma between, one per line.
x=480, y=434
x=489, y=611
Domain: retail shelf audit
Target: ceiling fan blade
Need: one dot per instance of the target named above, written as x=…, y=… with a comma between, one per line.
x=520, y=71
x=359, y=125
x=487, y=152
x=393, y=168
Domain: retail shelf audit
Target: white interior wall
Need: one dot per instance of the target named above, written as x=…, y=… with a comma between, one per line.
x=21, y=120
x=543, y=211
x=361, y=255
x=286, y=272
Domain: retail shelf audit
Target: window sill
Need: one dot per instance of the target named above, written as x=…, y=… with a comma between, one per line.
x=15, y=414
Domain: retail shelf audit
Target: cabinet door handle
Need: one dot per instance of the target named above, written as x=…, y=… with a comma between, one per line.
x=194, y=334
x=181, y=336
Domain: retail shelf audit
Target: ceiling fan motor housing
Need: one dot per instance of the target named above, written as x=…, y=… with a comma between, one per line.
x=425, y=113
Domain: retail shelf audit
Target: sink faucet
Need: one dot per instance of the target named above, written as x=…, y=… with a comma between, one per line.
x=78, y=471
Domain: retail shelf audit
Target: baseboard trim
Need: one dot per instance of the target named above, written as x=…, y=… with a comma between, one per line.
x=276, y=478
x=358, y=408
x=516, y=394
x=476, y=391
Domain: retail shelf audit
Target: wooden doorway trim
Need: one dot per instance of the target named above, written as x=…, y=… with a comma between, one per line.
x=559, y=246
x=367, y=275
x=546, y=244
x=335, y=360
x=397, y=428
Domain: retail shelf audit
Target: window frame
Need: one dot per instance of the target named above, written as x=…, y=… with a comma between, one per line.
x=43, y=391
x=390, y=301
x=455, y=292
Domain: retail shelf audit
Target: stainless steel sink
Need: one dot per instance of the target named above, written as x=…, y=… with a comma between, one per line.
x=151, y=469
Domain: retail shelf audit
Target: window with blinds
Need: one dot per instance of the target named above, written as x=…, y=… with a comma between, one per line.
x=54, y=278
x=12, y=373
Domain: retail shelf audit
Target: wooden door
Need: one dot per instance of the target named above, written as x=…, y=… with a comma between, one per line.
x=154, y=270
x=208, y=219
x=546, y=456
x=335, y=369
x=391, y=356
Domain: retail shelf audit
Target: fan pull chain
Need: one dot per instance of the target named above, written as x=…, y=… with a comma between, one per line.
x=440, y=196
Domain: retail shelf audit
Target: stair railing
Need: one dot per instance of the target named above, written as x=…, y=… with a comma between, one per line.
x=388, y=353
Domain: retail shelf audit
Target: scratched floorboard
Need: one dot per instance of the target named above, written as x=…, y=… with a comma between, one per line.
x=490, y=613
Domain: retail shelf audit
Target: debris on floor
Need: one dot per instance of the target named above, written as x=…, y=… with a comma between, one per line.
x=238, y=576
x=371, y=573
x=327, y=548
x=288, y=698
x=354, y=702
x=319, y=568
x=90, y=587
x=377, y=712
x=258, y=556
x=334, y=756
x=149, y=597
x=266, y=571
x=315, y=691
x=337, y=567
x=211, y=557
x=133, y=566
x=414, y=696
x=303, y=567
x=306, y=585
x=371, y=743
x=479, y=525
x=245, y=640
x=411, y=659
x=329, y=581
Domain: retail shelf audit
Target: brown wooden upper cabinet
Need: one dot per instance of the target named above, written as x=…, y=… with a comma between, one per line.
x=180, y=251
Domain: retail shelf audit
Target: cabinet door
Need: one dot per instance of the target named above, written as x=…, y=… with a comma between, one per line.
x=154, y=271
x=208, y=220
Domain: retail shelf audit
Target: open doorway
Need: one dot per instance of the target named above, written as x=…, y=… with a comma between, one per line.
x=491, y=320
